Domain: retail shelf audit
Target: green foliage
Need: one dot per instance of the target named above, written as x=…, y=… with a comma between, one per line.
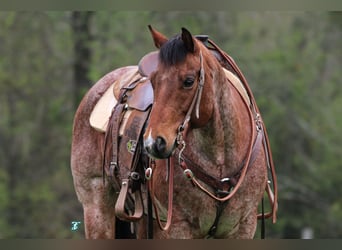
x=292, y=61
x=35, y=124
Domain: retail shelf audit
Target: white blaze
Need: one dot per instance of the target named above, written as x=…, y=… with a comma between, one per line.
x=149, y=140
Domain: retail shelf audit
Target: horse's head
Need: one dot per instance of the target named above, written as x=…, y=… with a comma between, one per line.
x=183, y=90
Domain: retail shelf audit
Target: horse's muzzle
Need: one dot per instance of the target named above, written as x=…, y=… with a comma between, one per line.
x=157, y=148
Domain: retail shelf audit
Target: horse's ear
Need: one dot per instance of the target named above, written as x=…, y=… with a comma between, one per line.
x=188, y=40
x=158, y=38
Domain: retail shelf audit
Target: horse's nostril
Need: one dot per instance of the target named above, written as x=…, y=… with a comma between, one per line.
x=160, y=145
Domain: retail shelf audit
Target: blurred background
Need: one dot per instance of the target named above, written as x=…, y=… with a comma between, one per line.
x=48, y=60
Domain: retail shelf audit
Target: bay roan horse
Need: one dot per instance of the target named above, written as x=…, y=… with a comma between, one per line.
x=211, y=131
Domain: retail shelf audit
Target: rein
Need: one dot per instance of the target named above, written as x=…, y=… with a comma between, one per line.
x=180, y=141
x=259, y=136
x=148, y=174
x=188, y=173
x=273, y=196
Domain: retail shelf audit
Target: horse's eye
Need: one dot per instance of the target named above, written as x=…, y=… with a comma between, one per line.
x=188, y=82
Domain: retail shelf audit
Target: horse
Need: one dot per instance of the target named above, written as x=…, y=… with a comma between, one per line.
x=207, y=151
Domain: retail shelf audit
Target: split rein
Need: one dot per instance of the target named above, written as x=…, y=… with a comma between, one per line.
x=254, y=119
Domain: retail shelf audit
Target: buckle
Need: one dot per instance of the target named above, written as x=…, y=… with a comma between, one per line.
x=221, y=192
x=135, y=176
x=113, y=168
x=258, y=122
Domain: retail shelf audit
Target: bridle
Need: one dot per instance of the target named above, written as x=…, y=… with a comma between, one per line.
x=257, y=132
x=179, y=141
x=196, y=101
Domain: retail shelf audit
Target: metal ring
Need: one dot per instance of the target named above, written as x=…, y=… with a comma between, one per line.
x=188, y=174
x=135, y=176
x=225, y=179
x=148, y=173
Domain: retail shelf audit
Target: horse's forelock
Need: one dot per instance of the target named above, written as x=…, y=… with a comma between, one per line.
x=173, y=51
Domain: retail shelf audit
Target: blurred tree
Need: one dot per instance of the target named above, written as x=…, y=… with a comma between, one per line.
x=81, y=27
x=36, y=113
x=292, y=66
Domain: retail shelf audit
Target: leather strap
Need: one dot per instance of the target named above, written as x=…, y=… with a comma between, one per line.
x=220, y=206
x=117, y=118
x=111, y=168
x=126, y=152
x=121, y=202
x=170, y=167
x=220, y=184
x=196, y=101
x=149, y=226
x=130, y=144
x=243, y=169
x=266, y=143
x=125, y=203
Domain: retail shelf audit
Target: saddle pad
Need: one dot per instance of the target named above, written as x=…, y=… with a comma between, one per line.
x=102, y=111
x=238, y=85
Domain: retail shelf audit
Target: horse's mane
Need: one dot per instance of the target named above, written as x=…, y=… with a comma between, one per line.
x=173, y=51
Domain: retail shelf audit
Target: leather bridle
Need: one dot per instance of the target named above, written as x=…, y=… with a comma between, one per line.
x=179, y=141
x=196, y=101
x=258, y=137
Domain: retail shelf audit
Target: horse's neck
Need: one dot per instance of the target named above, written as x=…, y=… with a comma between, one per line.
x=222, y=144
